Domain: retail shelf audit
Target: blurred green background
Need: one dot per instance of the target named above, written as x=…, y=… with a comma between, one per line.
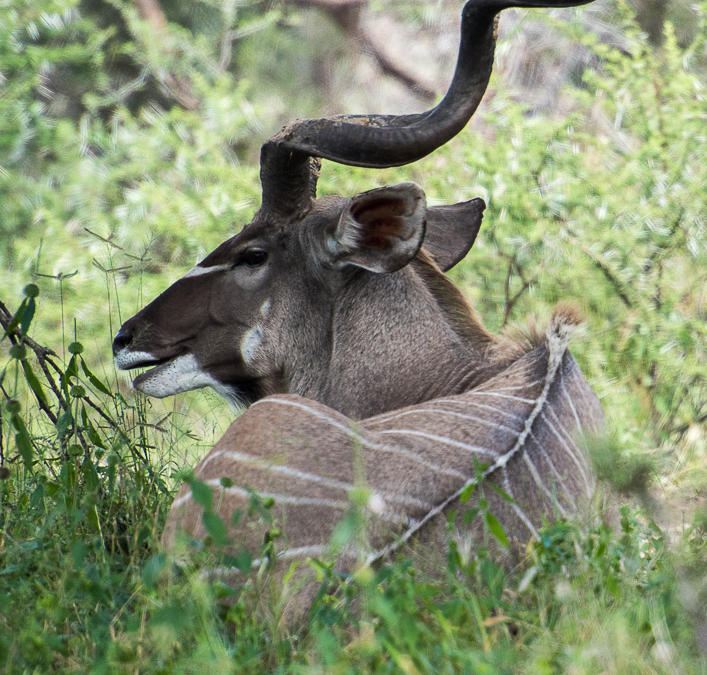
x=129, y=138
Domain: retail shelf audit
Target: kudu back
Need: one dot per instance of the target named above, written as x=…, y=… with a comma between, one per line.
x=363, y=363
x=521, y=429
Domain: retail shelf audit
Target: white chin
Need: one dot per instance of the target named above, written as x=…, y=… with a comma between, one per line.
x=174, y=377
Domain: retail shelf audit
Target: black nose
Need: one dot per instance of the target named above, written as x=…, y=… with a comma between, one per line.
x=122, y=340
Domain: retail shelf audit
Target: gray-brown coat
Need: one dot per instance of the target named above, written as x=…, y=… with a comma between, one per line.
x=521, y=429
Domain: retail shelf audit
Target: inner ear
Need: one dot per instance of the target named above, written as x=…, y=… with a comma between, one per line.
x=382, y=230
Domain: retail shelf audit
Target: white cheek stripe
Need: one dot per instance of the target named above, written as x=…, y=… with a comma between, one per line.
x=250, y=343
x=198, y=270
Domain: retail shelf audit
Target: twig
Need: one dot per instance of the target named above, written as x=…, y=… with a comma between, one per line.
x=510, y=302
x=660, y=251
x=604, y=269
x=110, y=421
x=347, y=15
x=177, y=86
x=2, y=446
x=43, y=355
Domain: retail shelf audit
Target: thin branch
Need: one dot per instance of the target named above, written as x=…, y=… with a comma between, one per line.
x=179, y=87
x=150, y=11
x=604, y=269
x=393, y=69
x=2, y=446
x=507, y=292
x=43, y=355
x=347, y=15
x=511, y=301
x=660, y=251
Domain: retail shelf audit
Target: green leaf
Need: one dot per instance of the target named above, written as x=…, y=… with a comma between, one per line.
x=91, y=432
x=153, y=568
x=79, y=551
x=71, y=371
x=496, y=528
x=94, y=380
x=63, y=423
x=34, y=383
x=27, y=315
x=15, y=321
x=23, y=441
x=93, y=518
x=499, y=491
x=90, y=475
x=215, y=527
x=243, y=561
x=37, y=498
x=469, y=515
x=201, y=494
x=467, y=492
x=53, y=488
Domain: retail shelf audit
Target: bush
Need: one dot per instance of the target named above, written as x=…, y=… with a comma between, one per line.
x=98, y=212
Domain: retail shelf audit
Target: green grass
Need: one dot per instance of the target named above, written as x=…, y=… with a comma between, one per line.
x=604, y=207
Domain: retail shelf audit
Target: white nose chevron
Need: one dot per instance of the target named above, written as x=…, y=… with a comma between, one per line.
x=199, y=270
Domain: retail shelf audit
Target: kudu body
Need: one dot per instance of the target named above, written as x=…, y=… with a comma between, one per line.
x=325, y=311
x=521, y=429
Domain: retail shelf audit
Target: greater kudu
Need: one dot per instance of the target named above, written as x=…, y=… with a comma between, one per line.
x=324, y=310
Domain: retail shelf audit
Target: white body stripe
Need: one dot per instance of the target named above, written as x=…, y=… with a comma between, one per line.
x=514, y=505
x=555, y=473
x=440, y=414
x=474, y=449
x=510, y=397
x=360, y=439
x=505, y=413
x=517, y=387
x=557, y=349
x=311, y=477
x=307, y=455
x=570, y=452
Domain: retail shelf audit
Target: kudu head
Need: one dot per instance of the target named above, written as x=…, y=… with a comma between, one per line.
x=338, y=299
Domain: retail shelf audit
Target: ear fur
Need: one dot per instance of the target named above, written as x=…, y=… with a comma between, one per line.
x=382, y=230
x=451, y=231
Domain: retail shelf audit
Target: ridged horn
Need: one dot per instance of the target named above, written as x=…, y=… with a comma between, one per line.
x=288, y=165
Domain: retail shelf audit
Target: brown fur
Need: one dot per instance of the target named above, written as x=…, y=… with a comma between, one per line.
x=412, y=461
x=518, y=339
x=453, y=306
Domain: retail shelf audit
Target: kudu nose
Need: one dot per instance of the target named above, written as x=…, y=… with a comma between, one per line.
x=122, y=339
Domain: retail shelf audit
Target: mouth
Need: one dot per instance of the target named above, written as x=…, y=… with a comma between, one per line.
x=133, y=360
x=158, y=365
x=165, y=376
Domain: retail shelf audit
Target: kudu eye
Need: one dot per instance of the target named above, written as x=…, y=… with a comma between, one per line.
x=252, y=257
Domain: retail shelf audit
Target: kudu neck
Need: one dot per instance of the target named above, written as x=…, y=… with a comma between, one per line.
x=399, y=339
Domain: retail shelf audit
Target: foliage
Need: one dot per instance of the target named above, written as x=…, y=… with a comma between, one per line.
x=604, y=206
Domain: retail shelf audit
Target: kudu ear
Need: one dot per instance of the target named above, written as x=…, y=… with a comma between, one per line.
x=451, y=231
x=382, y=230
